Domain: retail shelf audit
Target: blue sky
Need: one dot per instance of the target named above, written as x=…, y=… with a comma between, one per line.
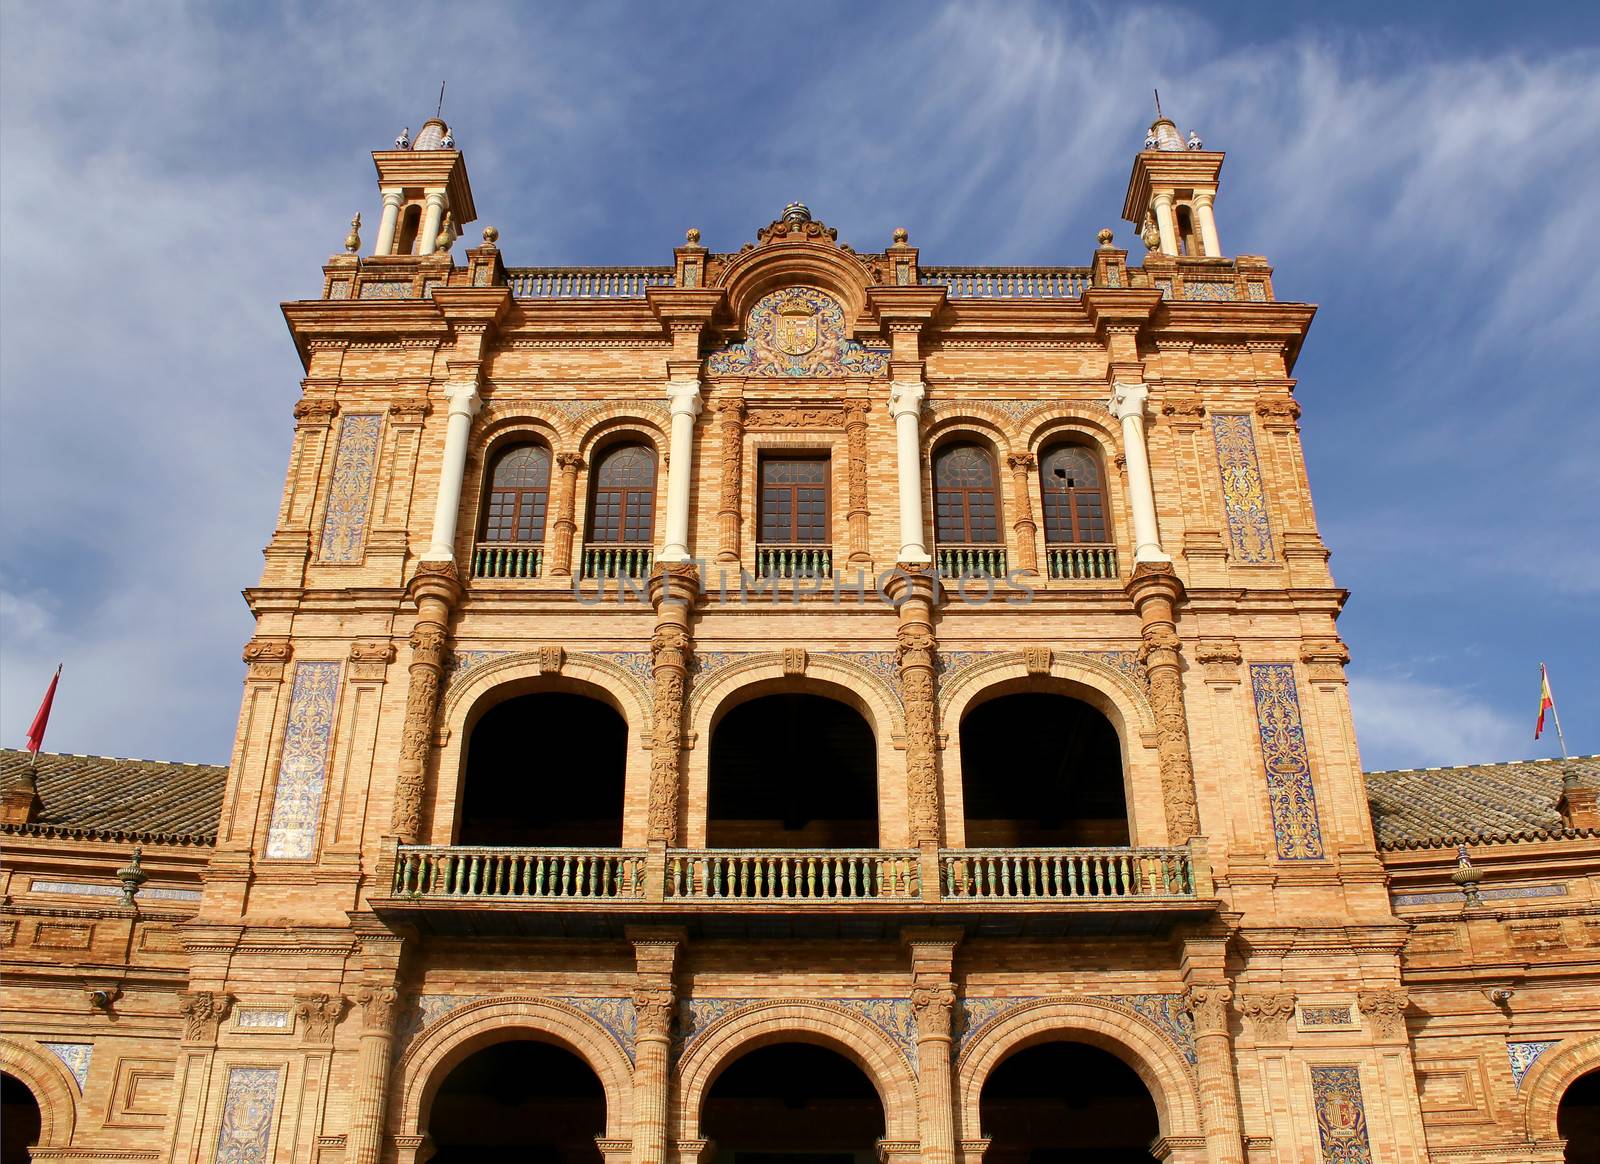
x=1427, y=175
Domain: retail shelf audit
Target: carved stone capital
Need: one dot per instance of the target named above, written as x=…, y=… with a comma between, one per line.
x=932, y=1004
x=1220, y=658
x=1385, y=1011
x=410, y=411
x=1278, y=411
x=1184, y=409
x=1128, y=400
x=571, y=462
x=655, y=1007
x=202, y=1011
x=1268, y=1015
x=317, y=1014
x=1021, y=462
x=380, y=1006
x=370, y=660
x=1209, y=1006
x=1325, y=660
x=266, y=657
x=311, y=412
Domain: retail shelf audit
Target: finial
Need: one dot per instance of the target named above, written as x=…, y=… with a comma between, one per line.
x=447, y=234
x=132, y=875
x=490, y=236
x=796, y=212
x=1467, y=876
x=1150, y=233
x=1194, y=142
x=438, y=110
x=352, y=241
x=403, y=142
x=901, y=234
x=1105, y=236
x=448, y=141
x=692, y=236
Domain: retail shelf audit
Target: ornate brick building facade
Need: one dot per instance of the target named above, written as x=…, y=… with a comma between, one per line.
x=797, y=703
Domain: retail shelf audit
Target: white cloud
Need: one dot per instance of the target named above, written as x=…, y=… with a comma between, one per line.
x=1406, y=723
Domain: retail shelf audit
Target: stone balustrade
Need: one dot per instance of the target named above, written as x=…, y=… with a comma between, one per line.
x=792, y=874
x=1008, y=282
x=794, y=561
x=617, y=560
x=972, y=560
x=586, y=282
x=462, y=872
x=507, y=559
x=1066, y=874
x=1078, y=561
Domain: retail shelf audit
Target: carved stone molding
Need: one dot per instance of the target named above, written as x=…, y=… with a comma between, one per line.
x=780, y=417
x=370, y=660
x=1325, y=660
x=794, y=661
x=1385, y=1011
x=1268, y=1015
x=1220, y=658
x=317, y=1014
x=202, y=1011
x=551, y=658
x=1037, y=660
x=267, y=657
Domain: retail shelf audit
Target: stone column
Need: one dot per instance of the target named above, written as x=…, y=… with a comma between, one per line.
x=933, y=999
x=464, y=405
x=1166, y=222
x=673, y=589
x=1127, y=404
x=1023, y=526
x=914, y=589
x=432, y=219
x=387, y=224
x=566, y=524
x=905, y=405
x=435, y=588
x=655, y=1002
x=730, y=415
x=1203, y=203
x=1155, y=591
x=379, y=1007
x=1218, y=1085
x=684, y=397
x=855, y=432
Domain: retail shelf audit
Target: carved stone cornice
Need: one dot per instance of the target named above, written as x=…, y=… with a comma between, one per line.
x=1325, y=660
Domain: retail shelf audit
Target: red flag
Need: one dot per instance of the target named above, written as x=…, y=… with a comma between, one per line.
x=1547, y=701
x=42, y=719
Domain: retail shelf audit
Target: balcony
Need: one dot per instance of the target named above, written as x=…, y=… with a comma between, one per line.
x=1081, y=561
x=973, y=561
x=794, y=561
x=507, y=559
x=617, y=560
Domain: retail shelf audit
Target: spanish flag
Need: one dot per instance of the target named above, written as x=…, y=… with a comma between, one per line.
x=1547, y=701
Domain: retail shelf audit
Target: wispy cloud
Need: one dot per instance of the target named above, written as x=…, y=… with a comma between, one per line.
x=1405, y=723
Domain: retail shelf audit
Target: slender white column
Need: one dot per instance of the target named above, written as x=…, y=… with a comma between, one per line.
x=684, y=397
x=391, y=218
x=1208, y=224
x=464, y=404
x=432, y=218
x=905, y=405
x=1166, y=222
x=1127, y=404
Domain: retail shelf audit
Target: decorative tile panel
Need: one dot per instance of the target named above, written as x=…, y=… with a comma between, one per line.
x=1453, y=896
x=1524, y=1055
x=798, y=332
x=303, y=771
x=387, y=289
x=76, y=1056
x=637, y=663
x=344, y=530
x=1341, y=1115
x=247, y=1109
x=1125, y=661
x=1257, y=291
x=1326, y=1016
x=883, y=664
x=894, y=1016
x=461, y=662
x=1242, y=495
x=262, y=1018
x=89, y=889
x=696, y=1014
x=1166, y=1011
x=1210, y=289
x=616, y=1015
x=1288, y=766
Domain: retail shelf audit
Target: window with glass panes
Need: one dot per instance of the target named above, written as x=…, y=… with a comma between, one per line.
x=519, y=493
x=963, y=495
x=794, y=500
x=623, y=504
x=1073, y=495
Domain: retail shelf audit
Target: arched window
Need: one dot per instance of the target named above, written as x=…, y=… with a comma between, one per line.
x=1073, y=495
x=963, y=495
x=1188, y=241
x=410, y=224
x=623, y=505
x=519, y=494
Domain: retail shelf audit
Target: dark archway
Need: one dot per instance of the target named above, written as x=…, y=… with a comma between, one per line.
x=546, y=769
x=531, y=1102
x=20, y=1120
x=793, y=771
x=1067, y=1103
x=1041, y=769
x=793, y=1103
x=1578, y=1118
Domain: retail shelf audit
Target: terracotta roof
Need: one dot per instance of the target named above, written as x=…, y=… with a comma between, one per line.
x=1424, y=808
x=107, y=798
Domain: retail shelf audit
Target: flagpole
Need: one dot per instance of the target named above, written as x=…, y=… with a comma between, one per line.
x=1556, y=715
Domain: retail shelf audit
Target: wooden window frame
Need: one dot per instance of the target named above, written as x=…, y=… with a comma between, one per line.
x=993, y=491
x=1071, y=495
x=765, y=457
x=522, y=496
x=596, y=491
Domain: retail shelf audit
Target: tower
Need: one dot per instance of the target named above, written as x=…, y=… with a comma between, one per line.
x=1174, y=185
x=420, y=183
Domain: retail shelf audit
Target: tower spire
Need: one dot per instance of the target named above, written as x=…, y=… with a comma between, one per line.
x=438, y=110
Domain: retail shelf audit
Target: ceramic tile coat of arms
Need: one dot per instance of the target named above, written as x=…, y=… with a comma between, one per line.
x=1288, y=765
x=297, y=804
x=247, y=1110
x=1341, y=1115
x=798, y=332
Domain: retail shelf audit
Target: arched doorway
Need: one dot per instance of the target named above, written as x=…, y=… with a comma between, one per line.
x=20, y=1120
x=522, y=1101
x=1067, y=1103
x=545, y=769
x=793, y=771
x=793, y=1103
x=1041, y=769
x=1578, y=1118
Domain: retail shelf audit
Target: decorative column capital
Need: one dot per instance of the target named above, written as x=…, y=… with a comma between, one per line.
x=932, y=1004
x=1161, y=198
x=464, y=399
x=1385, y=1010
x=683, y=396
x=202, y=1011
x=906, y=397
x=1021, y=462
x=436, y=578
x=1209, y=1006
x=1128, y=400
x=1269, y=1015
x=655, y=1007
x=317, y=1014
x=315, y=411
x=571, y=462
x=380, y=1006
x=1203, y=197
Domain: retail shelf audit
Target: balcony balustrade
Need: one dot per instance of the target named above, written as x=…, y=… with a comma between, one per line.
x=794, y=561
x=507, y=559
x=792, y=875
x=460, y=873
x=1008, y=282
x=1066, y=874
x=586, y=282
x=972, y=560
x=1078, y=561
x=617, y=560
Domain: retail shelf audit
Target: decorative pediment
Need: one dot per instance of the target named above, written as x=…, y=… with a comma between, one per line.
x=798, y=332
x=797, y=223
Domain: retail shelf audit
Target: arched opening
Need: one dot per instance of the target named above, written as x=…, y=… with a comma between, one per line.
x=545, y=769
x=1041, y=769
x=793, y=771
x=793, y=1103
x=20, y=1120
x=1188, y=243
x=511, y=532
x=532, y=1102
x=410, y=224
x=1578, y=1118
x=1067, y=1103
x=1072, y=495
x=622, y=512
